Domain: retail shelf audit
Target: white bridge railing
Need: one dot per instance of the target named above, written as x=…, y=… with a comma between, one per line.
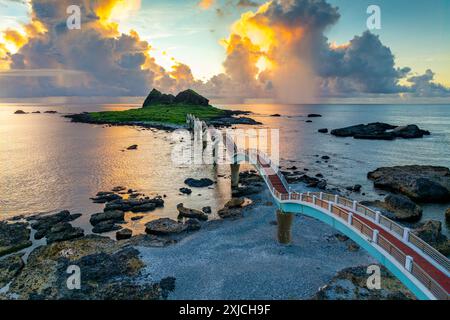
x=344, y=209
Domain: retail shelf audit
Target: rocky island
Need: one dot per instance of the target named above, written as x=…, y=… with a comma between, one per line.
x=168, y=112
x=380, y=131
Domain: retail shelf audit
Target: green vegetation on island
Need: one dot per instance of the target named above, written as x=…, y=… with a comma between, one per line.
x=163, y=113
x=166, y=111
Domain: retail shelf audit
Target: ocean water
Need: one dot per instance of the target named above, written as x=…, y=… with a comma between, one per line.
x=48, y=164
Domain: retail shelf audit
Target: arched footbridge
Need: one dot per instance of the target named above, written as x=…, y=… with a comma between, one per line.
x=420, y=267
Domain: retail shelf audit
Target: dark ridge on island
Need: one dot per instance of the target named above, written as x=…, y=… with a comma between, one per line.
x=167, y=112
x=380, y=131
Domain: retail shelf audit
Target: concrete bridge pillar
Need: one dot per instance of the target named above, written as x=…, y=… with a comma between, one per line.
x=235, y=175
x=284, y=227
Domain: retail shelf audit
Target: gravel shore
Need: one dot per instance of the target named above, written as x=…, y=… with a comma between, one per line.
x=242, y=259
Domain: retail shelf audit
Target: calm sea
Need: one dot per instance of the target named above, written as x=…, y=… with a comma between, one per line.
x=48, y=164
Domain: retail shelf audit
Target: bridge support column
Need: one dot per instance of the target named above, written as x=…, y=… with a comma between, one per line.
x=284, y=227
x=235, y=175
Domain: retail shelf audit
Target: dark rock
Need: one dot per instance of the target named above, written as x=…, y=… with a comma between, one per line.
x=185, y=190
x=325, y=158
x=63, y=231
x=193, y=225
x=431, y=232
x=191, y=97
x=133, y=147
x=137, y=218
x=324, y=130
x=276, y=115
x=51, y=112
x=106, y=226
x=314, y=115
x=232, y=209
x=36, y=112
x=322, y=185
x=380, y=131
x=13, y=237
x=10, y=268
x=403, y=208
x=44, y=224
x=20, y=112
x=355, y=188
x=308, y=121
x=103, y=197
x=207, y=210
x=119, y=189
x=145, y=207
x=135, y=205
x=447, y=215
x=419, y=183
x=191, y=213
x=164, y=226
x=319, y=175
x=111, y=216
x=167, y=284
x=124, y=234
x=156, y=97
x=200, y=183
x=351, y=284
x=353, y=247
x=245, y=191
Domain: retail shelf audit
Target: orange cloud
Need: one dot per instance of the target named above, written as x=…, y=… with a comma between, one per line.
x=206, y=4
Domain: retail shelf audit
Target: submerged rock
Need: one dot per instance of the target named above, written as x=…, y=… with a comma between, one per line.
x=199, y=183
x=351, y=284
x=135, y=205
x=380, y=131
x=419, y=183
x=13, y=237
x=104, y=197
x=185, y=190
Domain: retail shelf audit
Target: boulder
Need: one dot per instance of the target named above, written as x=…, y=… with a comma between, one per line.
x=351, y=284
x=133, y=147
x=20, y=112
x=43, y=224
x=193, y=225
x=431, y=232
x=191, y=97
x=63, y=231
x=135, y=205
x=111, y=216
x=380, y=131
x=191, y=213
x=419, y=183
x=106, y=226
x=235, y=203
x=104, y=197
x=124, y=234
x=156, y=97
x=164, y=226
x=324, y=130
x=10, y=268
x=13, y=237
x=207, y=210
x=199, y=183
x=403, y=208
x=185, y=190
x=145, y=207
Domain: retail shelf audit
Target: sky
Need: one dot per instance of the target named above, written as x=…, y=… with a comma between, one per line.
x=228, y=48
